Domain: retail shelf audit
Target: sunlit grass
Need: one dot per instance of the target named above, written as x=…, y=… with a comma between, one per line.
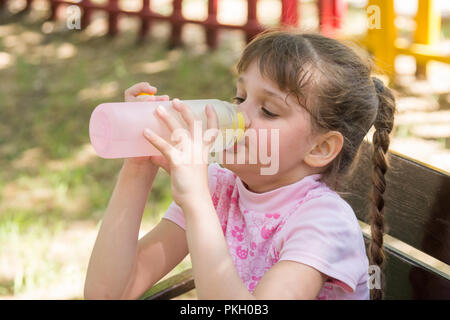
x=53, y=187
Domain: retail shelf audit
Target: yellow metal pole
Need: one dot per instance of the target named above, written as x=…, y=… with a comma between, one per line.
x=381, y=35
x=428, y=28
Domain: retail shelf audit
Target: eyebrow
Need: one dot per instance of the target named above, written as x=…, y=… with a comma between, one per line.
x=267, y=92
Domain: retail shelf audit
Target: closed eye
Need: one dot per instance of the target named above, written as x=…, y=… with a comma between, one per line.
x=266, y=112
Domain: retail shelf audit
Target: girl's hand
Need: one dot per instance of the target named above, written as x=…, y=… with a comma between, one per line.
x=132, y=95
x=188, y=159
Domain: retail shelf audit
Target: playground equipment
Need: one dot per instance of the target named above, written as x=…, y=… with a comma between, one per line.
x=331, y=13
x=381, y=38
x=383, y=43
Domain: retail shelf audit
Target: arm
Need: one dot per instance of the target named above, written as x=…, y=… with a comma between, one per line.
x=114, y=256
x=213, y=269
x=120, y=266
x=290, y=280
x=285, y=280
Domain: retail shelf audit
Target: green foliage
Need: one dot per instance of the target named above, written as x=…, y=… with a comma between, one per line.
x=49, y=181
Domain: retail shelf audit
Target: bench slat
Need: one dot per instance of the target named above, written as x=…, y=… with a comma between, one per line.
x=405, y=279
x=171, y=287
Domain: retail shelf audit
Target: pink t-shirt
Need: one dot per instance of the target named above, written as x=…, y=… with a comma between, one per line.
x=305, y=222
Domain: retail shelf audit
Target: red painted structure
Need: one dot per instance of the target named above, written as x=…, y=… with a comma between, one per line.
x=331, y=13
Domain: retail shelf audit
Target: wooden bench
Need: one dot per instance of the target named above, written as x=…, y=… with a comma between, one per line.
x=417, y=233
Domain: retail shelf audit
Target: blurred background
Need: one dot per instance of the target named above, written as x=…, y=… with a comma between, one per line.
x=54, y=188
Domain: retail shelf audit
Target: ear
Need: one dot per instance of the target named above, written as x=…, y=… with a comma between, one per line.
x=326, y=148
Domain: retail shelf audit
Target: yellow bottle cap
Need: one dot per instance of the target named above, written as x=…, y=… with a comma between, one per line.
x=145, y=93
x=240, y=126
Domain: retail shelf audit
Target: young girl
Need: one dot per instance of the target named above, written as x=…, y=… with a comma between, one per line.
x=287, y=235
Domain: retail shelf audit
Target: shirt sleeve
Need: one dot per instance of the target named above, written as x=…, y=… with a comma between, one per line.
x=324, y=234
x=175, y=213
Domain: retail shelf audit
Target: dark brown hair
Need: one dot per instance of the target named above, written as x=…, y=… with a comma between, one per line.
x=334, y=84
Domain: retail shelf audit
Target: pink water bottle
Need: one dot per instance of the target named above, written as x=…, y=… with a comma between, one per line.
x=116, y=129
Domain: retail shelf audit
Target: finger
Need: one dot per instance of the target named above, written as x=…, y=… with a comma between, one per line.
x=163, y=98
x=167, y=118
x=212, y=124
x=186, y=113
x=212, y=120
x=140, y=87
x=159, y=143
x=145, y=97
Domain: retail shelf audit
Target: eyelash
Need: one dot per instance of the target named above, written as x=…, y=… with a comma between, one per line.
x=266, y=112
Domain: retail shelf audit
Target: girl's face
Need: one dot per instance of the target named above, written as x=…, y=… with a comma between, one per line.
x=267, y=109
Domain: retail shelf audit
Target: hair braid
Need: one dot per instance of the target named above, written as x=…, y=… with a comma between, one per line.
x=383, y=124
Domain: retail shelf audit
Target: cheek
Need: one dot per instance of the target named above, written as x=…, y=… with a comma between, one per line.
x=260, y=137
x=294, y=143
x=271, y=140
x=289, y=144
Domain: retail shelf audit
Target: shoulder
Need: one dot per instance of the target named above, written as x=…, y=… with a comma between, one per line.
x=324, y=233
x=326, y=222
x=325, y=208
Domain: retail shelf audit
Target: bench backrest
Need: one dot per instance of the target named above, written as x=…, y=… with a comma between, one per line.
x=417, y=220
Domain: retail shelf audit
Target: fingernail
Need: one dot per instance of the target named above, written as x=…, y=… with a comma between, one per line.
x=147, y=132
x=161, y=109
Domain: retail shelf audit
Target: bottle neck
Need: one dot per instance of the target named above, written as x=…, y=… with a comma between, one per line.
x=238, y=120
